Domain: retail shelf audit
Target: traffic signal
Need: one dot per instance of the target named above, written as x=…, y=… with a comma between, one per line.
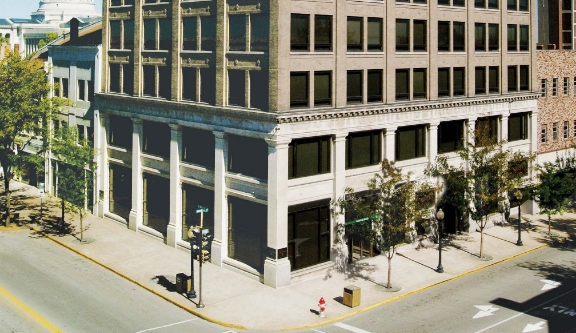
x=206, y=242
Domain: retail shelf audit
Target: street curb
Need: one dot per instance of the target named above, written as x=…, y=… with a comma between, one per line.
x=373, y=306
x=182, y=306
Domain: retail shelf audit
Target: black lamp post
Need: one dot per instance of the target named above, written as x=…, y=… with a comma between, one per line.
x=440, y=217
x=191, y=293
x=518, y=195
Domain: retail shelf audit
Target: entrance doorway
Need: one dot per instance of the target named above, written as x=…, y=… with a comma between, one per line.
x=156, y=206
x=120, y=187
x=247, y=232
x=308, y=234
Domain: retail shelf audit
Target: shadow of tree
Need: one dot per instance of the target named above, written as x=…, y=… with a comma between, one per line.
x=53, y=226
x=168, y=282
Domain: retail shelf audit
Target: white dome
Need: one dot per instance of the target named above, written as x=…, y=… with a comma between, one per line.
x=64, y=10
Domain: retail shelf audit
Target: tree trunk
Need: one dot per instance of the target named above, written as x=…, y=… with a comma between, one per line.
x=482, y=239
x=81, y=229
x=62, y=221
x=549, y=225
x=389, y=284
x=7, y=191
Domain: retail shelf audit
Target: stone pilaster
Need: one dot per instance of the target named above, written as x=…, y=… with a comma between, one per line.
x=174, y=229
x=101, y=126
x=433, y=141
x=135, y=219
x=389, y=143
x=339, y=183
x=504, y=127
x=220, y=242
x=277, y=265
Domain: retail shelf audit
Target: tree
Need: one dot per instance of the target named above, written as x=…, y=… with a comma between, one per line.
x=25, y=109
x=386, y=218
x=75, y=172
x=51, y=36
x=486, y=174
x=555, y=186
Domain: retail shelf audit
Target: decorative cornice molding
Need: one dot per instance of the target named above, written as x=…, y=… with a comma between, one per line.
x=295, y=117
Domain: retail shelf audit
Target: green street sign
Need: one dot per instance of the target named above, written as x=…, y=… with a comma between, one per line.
x=202, y=209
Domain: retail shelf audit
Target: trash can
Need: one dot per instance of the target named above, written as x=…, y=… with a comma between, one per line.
x=182, y=283
x=351, y=296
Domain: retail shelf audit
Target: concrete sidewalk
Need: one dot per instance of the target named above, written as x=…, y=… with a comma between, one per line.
x=239, y=302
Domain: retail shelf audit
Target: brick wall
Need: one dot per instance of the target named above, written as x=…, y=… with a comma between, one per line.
x=557, y=109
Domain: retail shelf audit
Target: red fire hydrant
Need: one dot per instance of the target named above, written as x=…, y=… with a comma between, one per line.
x=322, y=306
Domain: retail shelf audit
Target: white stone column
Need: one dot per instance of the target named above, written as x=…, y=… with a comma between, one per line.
x=504, y=127
x=433, y=141
x=135, y=219
x=101, y=125
x=470, y=130
x=389, y=143
x=220, y=242
x=277, y=264
x=174, y=229
x=339, y=167
x=534, y=135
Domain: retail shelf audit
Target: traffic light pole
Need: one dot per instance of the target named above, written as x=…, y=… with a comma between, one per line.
x=200, y=304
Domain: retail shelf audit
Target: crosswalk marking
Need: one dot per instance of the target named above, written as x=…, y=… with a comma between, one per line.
x=350, y=328
x=159, y=327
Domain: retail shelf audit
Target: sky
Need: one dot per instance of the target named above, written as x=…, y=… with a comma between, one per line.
x=23, y=8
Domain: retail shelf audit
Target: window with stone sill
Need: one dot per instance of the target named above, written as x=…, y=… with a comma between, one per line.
x=455, y=3
x=354, y=87
x=410, y=142
x=574, y=128
x=363, y=149
x=487, y=129
x=543, y=136
x=450, y=136
x=198, y=84
x=322, y=33
x=299, y=89
x=524, y=77
x=156, y=138
x=493, y=79
x=451, y=39
x=374, y=85
x=555, y=87
x=300, y=32
x=554, y=131
x=310, y=156
x=248, y=156
x=565, y=87
x=156, y=81
x=423, y=2
x=375, y=34
x=157, y=34
x=518, y=126
x=194, y=153
x=480, y=37
x=121, y=35
x=355, y=34
x=480, y=80
x=489, y=4
x=518, y=5
x=251, y=95
x=322, y=88
x=566, y=132
x=512, y=78
x=116, y=3
x=120, y=132
x=543, y=87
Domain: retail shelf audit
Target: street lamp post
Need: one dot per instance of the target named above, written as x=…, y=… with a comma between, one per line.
x=440, y=217
x=192, y=292
x=518, y=195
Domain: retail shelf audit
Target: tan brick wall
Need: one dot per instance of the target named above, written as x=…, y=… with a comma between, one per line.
x=556, y=109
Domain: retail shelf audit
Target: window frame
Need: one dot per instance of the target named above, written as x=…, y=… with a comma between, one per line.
x=374, y=150
x=323, y=162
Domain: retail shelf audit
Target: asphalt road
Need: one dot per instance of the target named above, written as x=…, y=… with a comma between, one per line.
x=509, y=297
x=76, y=295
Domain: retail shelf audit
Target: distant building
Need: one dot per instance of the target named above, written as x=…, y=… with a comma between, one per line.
x=556, y=24
x=52, y=16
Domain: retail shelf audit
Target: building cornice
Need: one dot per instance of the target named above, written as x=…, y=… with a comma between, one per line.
x=348, y=112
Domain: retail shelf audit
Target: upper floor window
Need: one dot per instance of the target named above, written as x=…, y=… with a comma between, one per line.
x=308, y=157
x=455, y=3
x=518, y=127
x=411, y=84
x=543, y=87
x=410, y=142
x=194, y=153
x=248, y=156
x=490, y=4
x=355, y=33
x=524, y=38
x=122, y=34
x=198, y=33
x=375, y=34
x=512, y=78
x=374, y=85
x=363, y=149
x=555, y=87
x=157, y=34
x=322, y=89
x=486, y=130
x=120, y=132
x=156, y=138
x=114, y=3
x=512, y=37
x=450, y=136
x=565, y=87
x=354, y=87
x=524, y=77
x=300, y=32
x=446, y=39
x=156, y=81
x=451, y=85
x=322, y=33
x=419, y=35
x=237, y=33
x=298, y=89
x=521, y=5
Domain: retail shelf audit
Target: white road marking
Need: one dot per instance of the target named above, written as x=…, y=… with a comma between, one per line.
x=316, y=330
x=350, y=328
x=159, y=327
x=229, y=331
x=533, y=327
x=485, y=310
x=521, y=313
x=549, y=284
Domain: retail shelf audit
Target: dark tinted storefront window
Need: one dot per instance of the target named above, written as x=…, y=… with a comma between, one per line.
x=248, y=156
x=247, y=230
x=518, y=127
x=410, y=142
x=156, y=138
x=363, y=149
x=307, y=157
x=308, y=234
x=121, y=132
x=198, y=147
x=450, y=136
x=120, y=190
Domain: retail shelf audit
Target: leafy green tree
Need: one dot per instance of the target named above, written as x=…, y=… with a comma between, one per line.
x=51, y=36
x=387, y=217
x=75, y=172
x=25, y=109
x=486, y=174
x=555, y=187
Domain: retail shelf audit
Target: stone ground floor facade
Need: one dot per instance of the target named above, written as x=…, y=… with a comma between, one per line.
x=268, y=179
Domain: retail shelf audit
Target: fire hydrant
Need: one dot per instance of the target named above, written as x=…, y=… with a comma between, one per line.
x=322, y=306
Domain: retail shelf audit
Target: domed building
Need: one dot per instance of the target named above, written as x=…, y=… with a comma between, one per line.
x=52, y=16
